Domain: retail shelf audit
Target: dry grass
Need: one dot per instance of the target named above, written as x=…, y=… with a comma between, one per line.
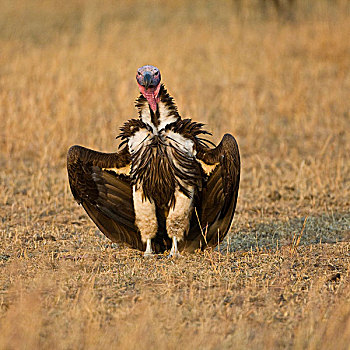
x=280, y=85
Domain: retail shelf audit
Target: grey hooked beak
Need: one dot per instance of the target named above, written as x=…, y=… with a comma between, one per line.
x=147, y=79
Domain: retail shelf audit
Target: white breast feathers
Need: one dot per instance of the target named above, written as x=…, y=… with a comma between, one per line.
x=181, y=143
x=138, y=140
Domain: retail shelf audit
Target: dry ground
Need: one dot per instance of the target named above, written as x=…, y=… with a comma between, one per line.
x=280, y=85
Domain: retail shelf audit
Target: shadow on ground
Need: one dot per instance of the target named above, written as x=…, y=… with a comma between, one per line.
x=271, y=235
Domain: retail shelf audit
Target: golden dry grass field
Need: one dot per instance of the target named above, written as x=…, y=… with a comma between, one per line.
x=278, y=81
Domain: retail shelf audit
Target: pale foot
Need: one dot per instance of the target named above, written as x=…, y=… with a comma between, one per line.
x=174, y=253
x=148, y=252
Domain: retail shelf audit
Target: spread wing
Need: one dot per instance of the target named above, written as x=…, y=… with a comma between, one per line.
x=100, y=183
x=216, y=204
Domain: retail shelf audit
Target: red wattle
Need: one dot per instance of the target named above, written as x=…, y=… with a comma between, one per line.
x=151, y=95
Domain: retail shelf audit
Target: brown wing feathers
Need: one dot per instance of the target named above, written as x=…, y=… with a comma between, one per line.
x=79, y=161
x=219, y=197
x=106, y=197
x=226, y=154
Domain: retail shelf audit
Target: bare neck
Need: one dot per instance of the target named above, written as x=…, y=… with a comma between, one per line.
x=165, y=114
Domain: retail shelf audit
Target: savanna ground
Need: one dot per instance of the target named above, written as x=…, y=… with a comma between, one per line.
x=277, y=80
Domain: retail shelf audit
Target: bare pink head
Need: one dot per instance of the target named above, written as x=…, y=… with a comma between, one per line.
x=148, y=80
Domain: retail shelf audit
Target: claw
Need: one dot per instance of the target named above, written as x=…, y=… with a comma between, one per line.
x=174, y=255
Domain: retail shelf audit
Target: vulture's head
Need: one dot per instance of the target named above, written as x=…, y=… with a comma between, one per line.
x=148, y=80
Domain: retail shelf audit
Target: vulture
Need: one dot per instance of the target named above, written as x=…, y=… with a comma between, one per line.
x=167, y=186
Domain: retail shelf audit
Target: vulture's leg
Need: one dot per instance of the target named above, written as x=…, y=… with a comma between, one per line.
x=178, y=219
x=145, y=219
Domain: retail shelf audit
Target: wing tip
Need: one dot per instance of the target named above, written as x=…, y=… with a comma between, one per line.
x=73, y=153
